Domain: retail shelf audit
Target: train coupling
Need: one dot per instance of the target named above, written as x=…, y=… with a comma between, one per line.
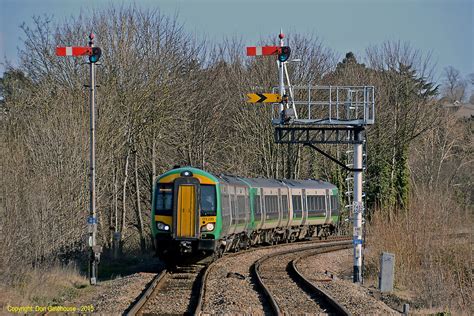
x=185, y=246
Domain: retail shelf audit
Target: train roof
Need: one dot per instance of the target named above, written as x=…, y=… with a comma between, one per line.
x=309, y=184
x=231, y=180
x=255, y=182
x=261, y=182
x=296, y=184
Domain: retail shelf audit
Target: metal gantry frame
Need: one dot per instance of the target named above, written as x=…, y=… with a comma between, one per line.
x=312, y=115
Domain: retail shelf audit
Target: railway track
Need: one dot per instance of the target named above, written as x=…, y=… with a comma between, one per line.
x=287, y=290
x=224, y=295
x=171, y=293
x=182, y=291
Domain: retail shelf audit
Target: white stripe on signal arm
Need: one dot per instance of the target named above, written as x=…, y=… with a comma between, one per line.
x=68, y=51
x=258, y=50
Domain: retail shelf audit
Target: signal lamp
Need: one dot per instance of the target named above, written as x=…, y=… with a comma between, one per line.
x=284, y=54
x=96, y=53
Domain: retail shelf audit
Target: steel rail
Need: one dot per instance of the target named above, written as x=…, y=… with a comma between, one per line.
x=202, y=293
x=157, y=280
x=338, y=308
x=256, y=266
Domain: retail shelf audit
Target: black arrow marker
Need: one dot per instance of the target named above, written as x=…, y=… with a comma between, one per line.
x=262, y=97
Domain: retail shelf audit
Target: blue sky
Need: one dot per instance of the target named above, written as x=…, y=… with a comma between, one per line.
x=443, y=27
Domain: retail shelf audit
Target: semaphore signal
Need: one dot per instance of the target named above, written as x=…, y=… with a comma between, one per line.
x=283, y=53
x=73, y=51
x=327, y=115
x=94, y=54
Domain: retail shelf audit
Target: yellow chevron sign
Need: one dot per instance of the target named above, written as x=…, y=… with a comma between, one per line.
x=263, y=97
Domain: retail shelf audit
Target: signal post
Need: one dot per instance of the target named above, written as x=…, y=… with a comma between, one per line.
x=94, y=54
x=332, y=115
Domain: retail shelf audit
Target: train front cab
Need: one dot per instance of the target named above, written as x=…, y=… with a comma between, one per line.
x=185, y=210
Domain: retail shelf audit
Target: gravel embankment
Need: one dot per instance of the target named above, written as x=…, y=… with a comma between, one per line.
x=355, y=298
x=226, y=293
x=113, y=297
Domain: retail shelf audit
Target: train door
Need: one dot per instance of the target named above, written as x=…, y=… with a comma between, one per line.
x=225, y=207
x=328, y=206
x=186, y=207
x=247, y=209
x=304, y=208
x=258, y=208
x=284, y=207
x=233, y=213
x=280, y=208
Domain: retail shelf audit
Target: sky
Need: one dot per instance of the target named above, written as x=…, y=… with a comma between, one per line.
x=443, y=28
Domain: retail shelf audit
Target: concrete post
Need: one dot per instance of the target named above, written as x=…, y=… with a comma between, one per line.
x=387, y=269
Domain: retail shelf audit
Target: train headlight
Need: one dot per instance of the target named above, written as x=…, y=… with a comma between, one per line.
x=208, y=227
x=162, y=226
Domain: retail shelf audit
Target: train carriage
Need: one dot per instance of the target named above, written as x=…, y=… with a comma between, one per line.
x=197, y=215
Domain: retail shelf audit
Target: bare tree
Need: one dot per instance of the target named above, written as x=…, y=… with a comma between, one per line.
x=454, y=88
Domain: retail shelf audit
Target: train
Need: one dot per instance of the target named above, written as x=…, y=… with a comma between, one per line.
x=197, y=216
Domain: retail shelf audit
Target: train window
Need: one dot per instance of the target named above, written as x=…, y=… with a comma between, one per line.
x=164, y=199
x=321, y=204
x=296, y=202
x=284, y=202
x=232, y=208
x=208, y=200
x=241, y=209
x=225, y=204
x=257, y=208
x=268, y=204
x=311, y=202
x=271, y=206
x=334, y=202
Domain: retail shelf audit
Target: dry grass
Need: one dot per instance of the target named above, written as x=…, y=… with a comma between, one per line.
x=44, y=286
x=432, y=246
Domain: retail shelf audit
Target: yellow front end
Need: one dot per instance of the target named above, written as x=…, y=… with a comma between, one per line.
x=186, y=226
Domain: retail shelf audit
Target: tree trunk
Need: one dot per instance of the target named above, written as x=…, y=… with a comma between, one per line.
x=138, y=205
x=124, y=197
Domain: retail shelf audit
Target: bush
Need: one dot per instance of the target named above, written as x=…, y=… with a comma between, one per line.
x=431, y=243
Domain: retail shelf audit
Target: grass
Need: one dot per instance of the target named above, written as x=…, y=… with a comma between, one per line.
x=57, y=284
x=46, y=286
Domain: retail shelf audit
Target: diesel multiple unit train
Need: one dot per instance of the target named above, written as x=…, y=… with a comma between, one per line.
x=197, y=215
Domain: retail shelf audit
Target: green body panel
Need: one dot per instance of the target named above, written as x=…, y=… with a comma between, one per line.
x=252, y=192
